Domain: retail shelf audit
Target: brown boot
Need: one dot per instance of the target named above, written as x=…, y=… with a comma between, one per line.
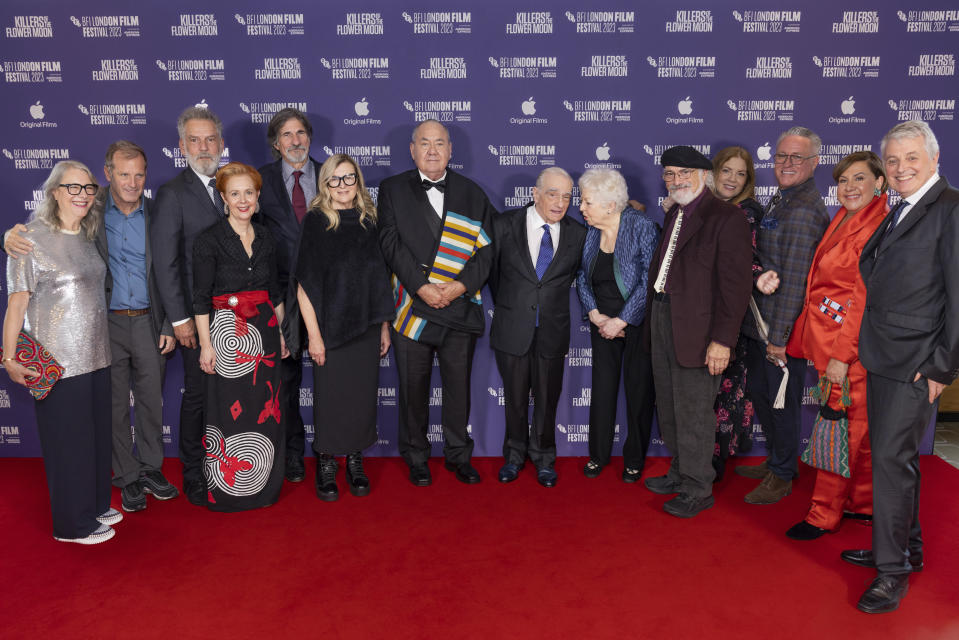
x=755, y=471
x=771, y=490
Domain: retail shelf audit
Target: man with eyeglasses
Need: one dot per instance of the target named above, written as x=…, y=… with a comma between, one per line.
x=185, y=206
x=538, y=250
x=289, y=186
x=792, y=226
x=699, y=282
x=435, y=229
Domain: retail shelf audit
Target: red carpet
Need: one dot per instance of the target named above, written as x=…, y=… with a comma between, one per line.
x=588, y=559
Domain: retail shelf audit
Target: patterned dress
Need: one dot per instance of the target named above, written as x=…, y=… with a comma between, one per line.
x=734, y=409
x=244, y=438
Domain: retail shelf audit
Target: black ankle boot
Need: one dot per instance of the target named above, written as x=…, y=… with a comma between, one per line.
x=355, y=476
x=326, y=478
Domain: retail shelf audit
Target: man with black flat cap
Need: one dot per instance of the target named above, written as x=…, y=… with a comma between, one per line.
x=435, y=229
x=700, y=279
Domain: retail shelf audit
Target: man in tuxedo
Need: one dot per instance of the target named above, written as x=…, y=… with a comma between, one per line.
x=788, y=235
x=185, y=206
x=140, y=334
x=435, y=228
x=537, y=253
x=909, y=345
x=289, y=186
x=700, y=278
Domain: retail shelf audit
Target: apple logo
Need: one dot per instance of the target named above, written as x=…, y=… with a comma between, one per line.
x=848, y=106
x=36, y=111
x=685, y=106
x=529, y=107
x=202, y=104
x=602, y=153
x=764, y=152
x=362, y=108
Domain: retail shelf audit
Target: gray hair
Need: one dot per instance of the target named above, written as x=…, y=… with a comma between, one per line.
x=551, y=171
x=607, y=185
x=49, y=213
x=912, y=129
x=814, y=140
x=198, y=113
x=429, y=121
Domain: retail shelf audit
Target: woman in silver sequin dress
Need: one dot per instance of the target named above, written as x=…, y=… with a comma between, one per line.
x=56, y=294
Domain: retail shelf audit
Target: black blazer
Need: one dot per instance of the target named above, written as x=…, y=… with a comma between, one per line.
x=161, y=325
x=518, y=293
x=409, y=237
x=276, y=214
x=183, y=209
x=911, y=320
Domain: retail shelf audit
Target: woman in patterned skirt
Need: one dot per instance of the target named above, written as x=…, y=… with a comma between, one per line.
x=235, y=280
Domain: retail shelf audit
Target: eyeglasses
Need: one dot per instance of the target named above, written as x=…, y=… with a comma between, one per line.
x=794, y=158
x=334, y=181
x=75, y=189
x=682, y=174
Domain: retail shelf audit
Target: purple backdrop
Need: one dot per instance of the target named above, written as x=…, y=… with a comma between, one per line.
x=519, y=87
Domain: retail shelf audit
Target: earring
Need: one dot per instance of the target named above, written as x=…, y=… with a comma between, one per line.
x=876, y=192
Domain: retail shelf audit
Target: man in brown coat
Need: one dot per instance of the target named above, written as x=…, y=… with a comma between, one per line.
x=700, y=279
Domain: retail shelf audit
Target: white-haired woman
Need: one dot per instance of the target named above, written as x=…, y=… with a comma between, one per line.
x=56, y=296
x=612, y=289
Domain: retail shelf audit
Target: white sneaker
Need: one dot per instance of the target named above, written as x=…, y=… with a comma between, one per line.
x=110, y=517
x=102, y=534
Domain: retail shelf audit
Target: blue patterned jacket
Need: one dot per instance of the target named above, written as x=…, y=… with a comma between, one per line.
x=636, y=243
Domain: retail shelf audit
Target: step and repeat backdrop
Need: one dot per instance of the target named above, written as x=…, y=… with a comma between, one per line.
x=521, y=86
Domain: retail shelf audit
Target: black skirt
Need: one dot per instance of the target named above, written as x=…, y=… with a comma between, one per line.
x=344, y=395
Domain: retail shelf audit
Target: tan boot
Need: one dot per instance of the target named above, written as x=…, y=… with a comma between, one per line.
x=755, y=471
x=771, y=490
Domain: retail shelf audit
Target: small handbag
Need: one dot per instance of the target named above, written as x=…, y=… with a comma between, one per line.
x=34, y=356
x=828, y=447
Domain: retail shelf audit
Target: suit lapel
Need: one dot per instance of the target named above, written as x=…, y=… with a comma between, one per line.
x=915, y=214
x=522, y=244
x=199, y=191
x=423, y=206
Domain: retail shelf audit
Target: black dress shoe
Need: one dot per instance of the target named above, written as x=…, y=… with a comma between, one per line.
x=884, y=594
x=195, y=493
x=465, y=472
x=420, y=475
x=326, y=489
x=546, y=477
x=355, y=476
x=865, y=558
x=295, y=472
x=802, y=530
x=592, y=469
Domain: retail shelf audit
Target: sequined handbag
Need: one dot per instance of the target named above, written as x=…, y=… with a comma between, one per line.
x=35, y=357
x=828, y=447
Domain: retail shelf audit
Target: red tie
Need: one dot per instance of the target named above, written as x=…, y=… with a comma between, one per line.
x=299, y=199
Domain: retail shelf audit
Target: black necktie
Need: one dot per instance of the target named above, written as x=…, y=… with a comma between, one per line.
x=427, y=185
x=894, y=220
x=217, y=200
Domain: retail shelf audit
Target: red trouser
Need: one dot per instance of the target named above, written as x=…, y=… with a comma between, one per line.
x=834, y=494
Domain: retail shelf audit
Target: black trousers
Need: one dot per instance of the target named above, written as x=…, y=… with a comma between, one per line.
x=192, y=423
x=611, y=358
x=685, y=399
x=291, y=376
x=414, y=364
x=898, y=415
x=75, y=436
x=543, y=377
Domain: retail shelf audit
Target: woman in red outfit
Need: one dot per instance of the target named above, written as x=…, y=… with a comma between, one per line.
x=827, y=332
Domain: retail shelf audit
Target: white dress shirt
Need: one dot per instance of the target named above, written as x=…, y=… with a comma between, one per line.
x=534, y=233
x=917, y=196
x=434, y=194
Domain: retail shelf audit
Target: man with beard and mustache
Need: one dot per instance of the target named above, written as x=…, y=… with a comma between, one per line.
x=289, y=186
x=700, y=278
x=185, y=206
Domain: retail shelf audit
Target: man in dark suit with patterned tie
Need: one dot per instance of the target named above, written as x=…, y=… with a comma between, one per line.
x=909, y=345
x=185, y=206
x=537, y=251
x=289, y=186
x=435, y=228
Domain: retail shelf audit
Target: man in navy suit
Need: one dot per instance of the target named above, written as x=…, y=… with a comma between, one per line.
x=289, y=186
x=537, y=251
x=185, y=206
x=909, y=345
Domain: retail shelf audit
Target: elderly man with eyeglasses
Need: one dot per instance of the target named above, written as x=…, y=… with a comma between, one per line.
x=792, y=226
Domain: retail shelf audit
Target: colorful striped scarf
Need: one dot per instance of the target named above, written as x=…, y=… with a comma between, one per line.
x=459, y=241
